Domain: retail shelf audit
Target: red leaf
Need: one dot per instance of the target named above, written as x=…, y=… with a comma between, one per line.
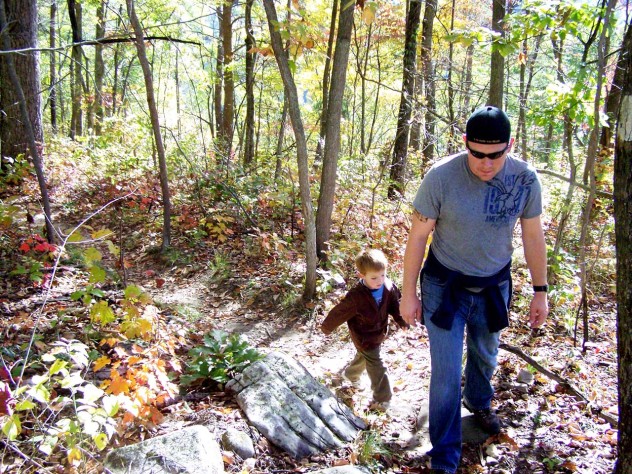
x=159, y=282
x=25, y=247
x=6, y=399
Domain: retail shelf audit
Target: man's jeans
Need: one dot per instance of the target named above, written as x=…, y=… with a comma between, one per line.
x=446, y=353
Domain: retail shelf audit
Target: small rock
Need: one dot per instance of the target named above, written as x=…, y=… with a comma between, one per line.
x=524, y=376
x=491, y=461
x=492, y=451
x=521, y=388
x=249, y=464
x=238, y=442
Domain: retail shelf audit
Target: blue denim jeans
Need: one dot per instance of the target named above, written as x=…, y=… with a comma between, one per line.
x=446, y=354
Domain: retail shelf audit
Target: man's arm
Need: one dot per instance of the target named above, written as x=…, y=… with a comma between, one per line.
x=535, y=255
x=410, y=306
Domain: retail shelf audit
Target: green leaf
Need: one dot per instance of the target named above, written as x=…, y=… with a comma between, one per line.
x=48, y=444
x=97, y=274
x=110, y=405
x=132, y=291
x=100, y=441
x=24, y=405
x=12, y=427
x=91, y=393
x=92, y=255
x=57, y=366
x=102, y=313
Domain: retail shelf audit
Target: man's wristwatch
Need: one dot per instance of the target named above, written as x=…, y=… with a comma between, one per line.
x=544, y=288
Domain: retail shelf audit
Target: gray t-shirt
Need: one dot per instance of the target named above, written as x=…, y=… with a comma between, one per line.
x=475, y=219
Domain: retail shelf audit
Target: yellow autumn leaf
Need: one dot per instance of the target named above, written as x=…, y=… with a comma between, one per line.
x=74, y=457
x=100, y=363
x=368, y=14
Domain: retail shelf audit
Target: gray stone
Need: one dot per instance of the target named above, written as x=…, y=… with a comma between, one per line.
x=470, y=431
x=291, y=408
x=191, y=450
x=239, y=443
x=524, y=376
x=344, y=470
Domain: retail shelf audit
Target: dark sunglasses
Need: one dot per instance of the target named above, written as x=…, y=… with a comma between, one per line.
x=492, y=156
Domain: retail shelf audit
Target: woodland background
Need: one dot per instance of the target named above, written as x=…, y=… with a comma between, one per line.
x=146, y=142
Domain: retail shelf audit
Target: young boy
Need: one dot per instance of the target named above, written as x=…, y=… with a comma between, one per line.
x=365, y=309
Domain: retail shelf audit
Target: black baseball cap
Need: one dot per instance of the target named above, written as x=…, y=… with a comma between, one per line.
x=488, y=124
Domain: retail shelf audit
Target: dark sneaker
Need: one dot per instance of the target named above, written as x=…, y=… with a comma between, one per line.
x=486, y=418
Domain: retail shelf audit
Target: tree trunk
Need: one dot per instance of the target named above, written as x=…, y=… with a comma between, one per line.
x=52, y=88
x=219, y=83
x=301, y=150
x=76, y=120
x=249, y=147
x=326, y=77
x=623, y=235
x=428, y=140
x=17, y=92
x=589, y=170
x=497, y=68
x=155, y=123
x=21, y=18
x=226, y=135
x=400, y=147
x=99, y=68
x=332, y=131
x=279, y=147
x=454, y=141
x=611, y=105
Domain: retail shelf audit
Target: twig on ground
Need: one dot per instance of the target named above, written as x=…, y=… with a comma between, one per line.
x=561, y=380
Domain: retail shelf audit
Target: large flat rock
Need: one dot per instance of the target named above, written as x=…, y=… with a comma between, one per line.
x=192, y=450
x=291, y=408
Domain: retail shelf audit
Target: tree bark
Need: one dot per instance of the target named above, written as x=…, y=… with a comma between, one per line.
x=27, y=127
x=301, y=150
x=155, y=123
x=497, y=68
x=52, y=87
x=99, y=68
x=332, y=131
x=326, y=78
x=249, y=147
x=226, y=131
x=76, y=119
x=21, y=21
x=623, y=236
x=400, y=147
x=428, y=139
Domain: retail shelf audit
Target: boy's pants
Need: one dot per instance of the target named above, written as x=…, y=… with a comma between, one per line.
x=375, y=368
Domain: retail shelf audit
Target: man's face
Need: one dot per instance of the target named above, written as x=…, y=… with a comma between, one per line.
x=486, y=168
x=373, y=279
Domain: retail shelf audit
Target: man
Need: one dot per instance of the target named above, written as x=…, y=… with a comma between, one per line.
x=472, y=201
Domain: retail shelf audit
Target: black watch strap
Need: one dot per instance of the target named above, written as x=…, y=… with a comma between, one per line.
x=544, y=288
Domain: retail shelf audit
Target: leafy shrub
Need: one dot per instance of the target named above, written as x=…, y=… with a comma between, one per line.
x=221, y=357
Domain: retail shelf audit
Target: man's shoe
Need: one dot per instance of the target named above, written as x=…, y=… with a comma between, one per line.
x=486, y=418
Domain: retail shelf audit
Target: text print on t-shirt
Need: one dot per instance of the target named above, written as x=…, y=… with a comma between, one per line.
x=506, y=198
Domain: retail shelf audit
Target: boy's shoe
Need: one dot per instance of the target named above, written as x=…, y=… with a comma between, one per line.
x=486, y=418
x=379, y=406
x=354, y=383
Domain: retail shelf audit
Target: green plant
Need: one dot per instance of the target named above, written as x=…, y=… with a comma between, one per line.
x=369, y=448
x=221, y=357
x=59, y=409
x=219, y=267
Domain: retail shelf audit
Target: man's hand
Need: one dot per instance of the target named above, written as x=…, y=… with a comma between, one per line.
x=410, y=309
x=538, y=310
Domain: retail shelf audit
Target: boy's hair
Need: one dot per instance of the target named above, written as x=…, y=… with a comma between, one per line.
x=371, y=259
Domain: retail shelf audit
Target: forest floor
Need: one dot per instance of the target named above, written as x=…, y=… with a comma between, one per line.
x=547, y=428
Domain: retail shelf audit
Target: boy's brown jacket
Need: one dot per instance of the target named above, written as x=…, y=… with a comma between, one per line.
x=367, y=323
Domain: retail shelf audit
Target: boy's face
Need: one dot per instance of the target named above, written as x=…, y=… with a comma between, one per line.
x=373, y=279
